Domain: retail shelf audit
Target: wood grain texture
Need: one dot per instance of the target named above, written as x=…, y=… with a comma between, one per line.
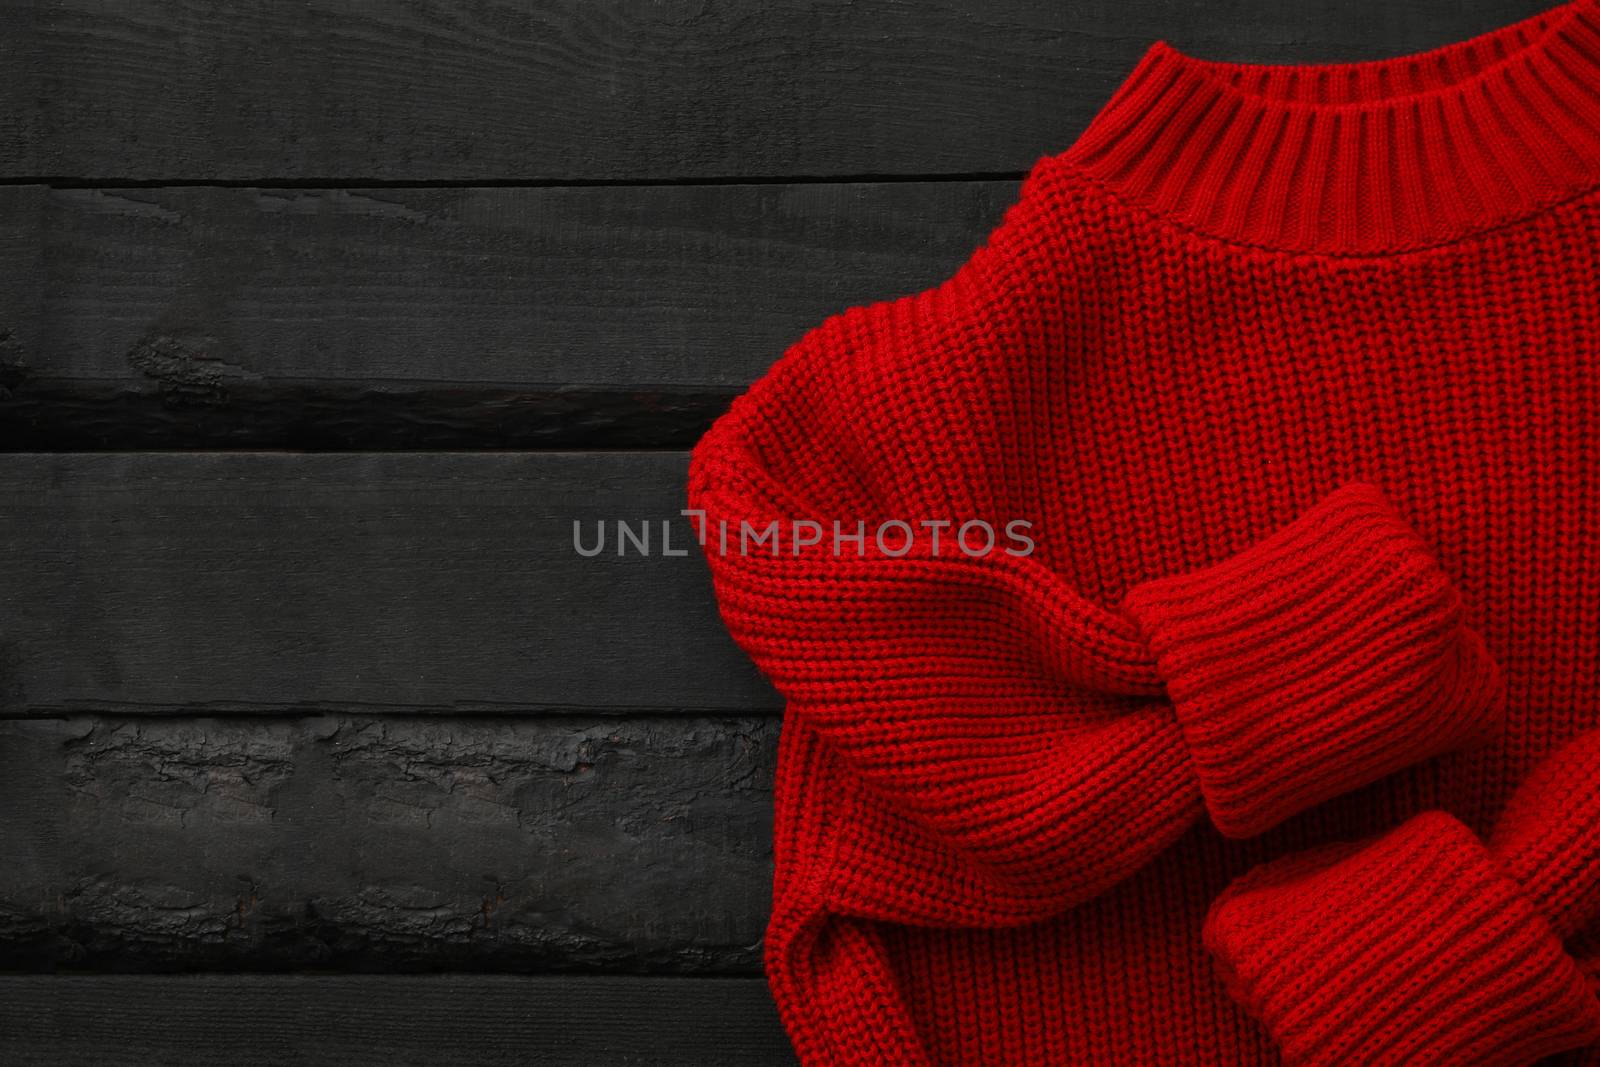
x=426, y=318
x=477, y=90
x=557, y=843
x=210, y=581
x=388, y=1020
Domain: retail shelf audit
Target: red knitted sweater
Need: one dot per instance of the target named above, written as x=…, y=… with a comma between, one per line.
x=1233, y=513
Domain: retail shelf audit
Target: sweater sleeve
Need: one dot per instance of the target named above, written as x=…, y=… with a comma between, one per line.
x=1428, y=946
x=1006, y=736
x=1023, y=745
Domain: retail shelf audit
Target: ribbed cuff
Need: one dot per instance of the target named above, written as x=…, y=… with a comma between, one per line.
x=1321, y=658
x=1415, y=949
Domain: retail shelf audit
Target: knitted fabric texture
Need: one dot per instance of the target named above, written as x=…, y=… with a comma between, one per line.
x=1239, y=497
x=1428, y=946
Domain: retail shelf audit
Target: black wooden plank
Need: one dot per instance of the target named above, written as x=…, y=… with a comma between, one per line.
x=385, y=318
x=361, y=843
x=472, y=91
x=384, y=1020
x=368, y=582
x=22, y=271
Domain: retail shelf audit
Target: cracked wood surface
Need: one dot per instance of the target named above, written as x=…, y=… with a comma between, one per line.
x=388, y=1020
x=565, y=843
x=407, y=581
x=429, y=318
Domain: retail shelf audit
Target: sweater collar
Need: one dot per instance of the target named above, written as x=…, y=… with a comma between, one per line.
x=1360, y=158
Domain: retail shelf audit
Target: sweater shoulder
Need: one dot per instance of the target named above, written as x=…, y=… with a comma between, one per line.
x=887, y=373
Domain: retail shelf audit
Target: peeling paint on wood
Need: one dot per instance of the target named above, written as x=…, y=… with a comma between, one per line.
x=358, y=842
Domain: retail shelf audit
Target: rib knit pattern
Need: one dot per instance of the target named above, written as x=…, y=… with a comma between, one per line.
x=1290, y=376
x=1425, y=946
x=1548, y=837
x=1321, y=659
x=1347, y=156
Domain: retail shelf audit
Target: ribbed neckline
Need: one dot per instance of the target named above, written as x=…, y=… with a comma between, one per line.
x=1360, y=158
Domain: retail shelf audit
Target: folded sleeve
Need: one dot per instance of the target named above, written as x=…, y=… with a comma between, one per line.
x=1428, y=945
x=1019, y=743
x=1323, y=657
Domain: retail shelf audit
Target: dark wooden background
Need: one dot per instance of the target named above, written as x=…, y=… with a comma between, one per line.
x=320, y=322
